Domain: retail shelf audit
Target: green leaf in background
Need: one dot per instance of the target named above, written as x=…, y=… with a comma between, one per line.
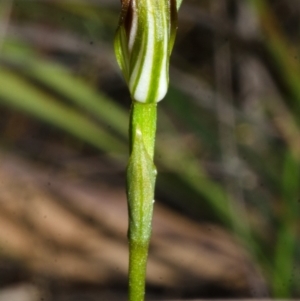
x=284, y=280
x=17, y=93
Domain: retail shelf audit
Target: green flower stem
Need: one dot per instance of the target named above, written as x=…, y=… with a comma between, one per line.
x=143, y=117
x=137, y=270
x=141, y=174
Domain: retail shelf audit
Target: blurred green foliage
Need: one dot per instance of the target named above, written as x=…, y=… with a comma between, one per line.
x=228, y=145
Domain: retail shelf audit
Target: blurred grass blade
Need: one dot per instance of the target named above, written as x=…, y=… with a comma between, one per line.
x=17, y=93
x=74, y=89
x=279, y=52
x=283, y=279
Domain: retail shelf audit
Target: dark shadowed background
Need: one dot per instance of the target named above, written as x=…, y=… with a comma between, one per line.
x=226, y=220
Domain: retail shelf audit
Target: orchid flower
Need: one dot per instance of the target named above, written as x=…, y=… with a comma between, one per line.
x=143, y=45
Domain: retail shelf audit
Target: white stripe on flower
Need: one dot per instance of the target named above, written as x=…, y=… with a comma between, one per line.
x=144, y=63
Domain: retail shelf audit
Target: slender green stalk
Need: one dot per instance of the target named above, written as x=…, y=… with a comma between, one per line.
x=143, y=118
x=141, y=174
x=137, y=270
